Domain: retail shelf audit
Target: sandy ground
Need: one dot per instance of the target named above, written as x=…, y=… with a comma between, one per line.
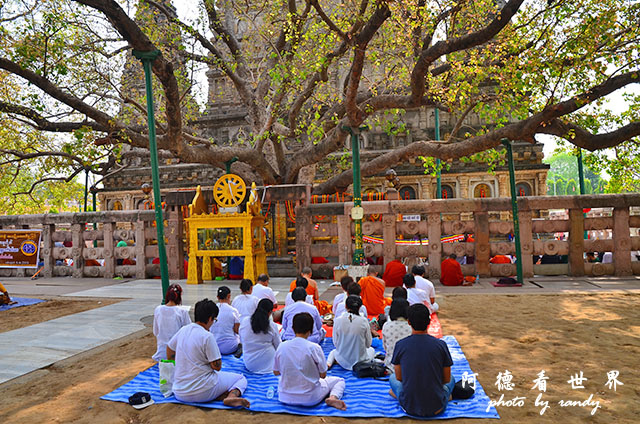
x=51, y=309
x=561, y=334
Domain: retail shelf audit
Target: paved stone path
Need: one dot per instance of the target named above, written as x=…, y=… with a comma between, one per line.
x=28, y=349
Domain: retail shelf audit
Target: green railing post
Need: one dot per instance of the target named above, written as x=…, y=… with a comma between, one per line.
x=227, y=164
x=147, y=58
x=514, y=208
x=438, y=163
x=358, y=253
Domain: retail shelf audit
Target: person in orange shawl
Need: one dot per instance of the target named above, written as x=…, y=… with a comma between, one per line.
x=312, y=289
x=451, y=272
x=373, y=293
x=393, y=273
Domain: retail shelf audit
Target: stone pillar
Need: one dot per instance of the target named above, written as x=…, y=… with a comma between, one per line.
x=427, y=188
x=108, y=251
x=175, y=254
x=303, y=238
x=542, y=184
x=141, y=260
x=622, y=242
x=76, y=252
x=434, y=230
x=576, y=242
x=464, y=187
x=389, y=237
x=526, y=242
x=503, y=185
x=47, y=250
x=345, y=253
x=483, y=249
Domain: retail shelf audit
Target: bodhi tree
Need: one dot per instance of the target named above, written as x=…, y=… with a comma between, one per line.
x=304, y=70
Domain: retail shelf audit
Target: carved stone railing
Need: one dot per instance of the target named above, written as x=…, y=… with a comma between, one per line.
x=326, y=230
x=86, y=243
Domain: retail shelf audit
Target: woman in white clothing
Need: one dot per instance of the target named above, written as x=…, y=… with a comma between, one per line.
x=246, y=302
x=352, y=337
x=260, y=339
x=168, y=319
x=225, y=328
x=396, y=328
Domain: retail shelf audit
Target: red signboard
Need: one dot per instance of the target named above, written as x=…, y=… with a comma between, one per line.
x=19, y=248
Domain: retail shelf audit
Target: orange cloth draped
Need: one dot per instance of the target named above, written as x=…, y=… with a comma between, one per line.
x=323, y=306
x=372, y=295
x=451, y=273
x=312, y=288
x=500, y=259
x=393, y=273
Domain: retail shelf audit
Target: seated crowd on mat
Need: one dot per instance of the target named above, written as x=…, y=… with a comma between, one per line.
x=421, y=363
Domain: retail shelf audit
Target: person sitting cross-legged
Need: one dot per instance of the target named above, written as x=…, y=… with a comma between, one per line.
x=299, y=305
x=395, y=328
x=300, y=282
x=422, y=381
x=353, y=289
x=260, y=339
x=226, y=326
x=197, y=376
x=168, y=319
x=351, y=336
x=303, y=369
x=246, y=302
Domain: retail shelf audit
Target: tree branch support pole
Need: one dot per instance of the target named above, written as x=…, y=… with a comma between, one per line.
x=438, y=163
x=358, y=252
x=147, y=58
x=86, y=188
x=514, y=208
x=581, y=178
x=227, y=164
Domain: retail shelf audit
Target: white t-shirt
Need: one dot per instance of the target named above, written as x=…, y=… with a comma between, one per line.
x=352, y=337
x=426, y=285
x=300, y=363
x=289, y=300
x=167, y=320
x=336, y=301
x=222, y=328
x=341, y=308
x=246, y=304
x=264, y=292
x=296, y=308
x=258, y=350
x=415, y=295
x=195, y=349
x=392, y=331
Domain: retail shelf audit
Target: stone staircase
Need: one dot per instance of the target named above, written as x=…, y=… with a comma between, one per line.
x=281, y=266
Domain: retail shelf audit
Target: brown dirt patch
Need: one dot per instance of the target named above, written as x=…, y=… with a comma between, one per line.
x=53, y=308
x=562, y=334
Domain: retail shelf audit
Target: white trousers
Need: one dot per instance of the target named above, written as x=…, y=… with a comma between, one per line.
x=332, y=358
x=227, y=381
x=330, y=386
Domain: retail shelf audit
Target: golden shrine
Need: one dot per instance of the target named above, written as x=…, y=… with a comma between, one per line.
x=226, y=233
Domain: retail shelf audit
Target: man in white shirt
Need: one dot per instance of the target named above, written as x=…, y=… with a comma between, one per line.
x=262, y=290
x=303, y=369
x=414, y=294
x=351, y=336
x=246, y=302
x=299, y=306
x=354, y=289
x=426, y=285
x=197, y=376
x=340, y=297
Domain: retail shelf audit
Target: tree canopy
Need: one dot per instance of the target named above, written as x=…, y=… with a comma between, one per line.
x=305, y=70
x=564, y=168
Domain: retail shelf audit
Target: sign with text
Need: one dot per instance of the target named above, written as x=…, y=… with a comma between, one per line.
x=19, y=248
x=410, y=218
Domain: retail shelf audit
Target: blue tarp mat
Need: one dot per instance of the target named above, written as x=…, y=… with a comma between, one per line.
x=365, y=398
x=22, y=301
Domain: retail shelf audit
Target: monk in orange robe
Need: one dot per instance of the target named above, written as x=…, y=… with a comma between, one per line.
x=393, y=273
x=451, y=272
x=500, y=259
x=373, y=293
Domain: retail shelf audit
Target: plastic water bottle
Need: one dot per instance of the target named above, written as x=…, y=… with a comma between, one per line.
x=477, y=278
x=271, y=392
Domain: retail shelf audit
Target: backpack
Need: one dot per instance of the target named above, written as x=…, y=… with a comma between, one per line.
x=368, y=369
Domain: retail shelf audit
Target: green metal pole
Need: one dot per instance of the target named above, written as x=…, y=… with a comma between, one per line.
x=95, y=226
x=86, y=187
x=438, y=166
x=147, y=58
x=581, y=178
x=227, y=164
x=514, y=208
x=358, y=253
